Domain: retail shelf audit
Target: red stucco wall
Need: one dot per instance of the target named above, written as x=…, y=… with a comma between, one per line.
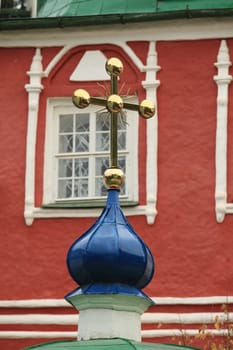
x=193, y=253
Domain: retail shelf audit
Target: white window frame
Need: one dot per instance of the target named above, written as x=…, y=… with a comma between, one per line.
x=51, y=147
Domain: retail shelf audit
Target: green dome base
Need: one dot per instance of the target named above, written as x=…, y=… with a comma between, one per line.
x=106, y=344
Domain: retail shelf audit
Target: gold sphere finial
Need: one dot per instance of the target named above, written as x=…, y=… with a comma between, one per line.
x=81, y=98
x=147, y=109
x=114, y=66
x=114, y=178
x=114, y=103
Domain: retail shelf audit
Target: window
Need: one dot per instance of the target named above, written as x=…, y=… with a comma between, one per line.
x=77, y=153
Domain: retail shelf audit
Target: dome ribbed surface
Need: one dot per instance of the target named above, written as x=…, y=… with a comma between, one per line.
x=111, y=251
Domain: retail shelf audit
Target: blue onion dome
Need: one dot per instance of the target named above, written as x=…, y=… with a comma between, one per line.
x=111, y=251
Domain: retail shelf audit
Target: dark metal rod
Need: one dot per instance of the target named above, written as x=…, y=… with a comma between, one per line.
x=100, y=102
x=113, y=129
x=131, y=106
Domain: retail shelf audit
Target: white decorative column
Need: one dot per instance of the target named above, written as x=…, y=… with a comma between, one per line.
x=150, y=85
x=34, y=89
x=32, y=5
x=104, y=316
x=222, y=79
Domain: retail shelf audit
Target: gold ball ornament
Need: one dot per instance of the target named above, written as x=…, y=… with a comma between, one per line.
x=114, y=103
x=147, y=109
x=114, y=178
x=114, y=66
x=81, y=98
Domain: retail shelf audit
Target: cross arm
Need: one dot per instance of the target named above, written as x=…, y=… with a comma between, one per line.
x=114, y=103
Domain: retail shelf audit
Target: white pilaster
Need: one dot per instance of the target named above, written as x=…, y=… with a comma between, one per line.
x=32, y=5
x=222, y=79
x=34, y=89
x=151, y=85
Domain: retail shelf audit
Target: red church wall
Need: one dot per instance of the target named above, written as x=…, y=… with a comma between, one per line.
x=194, y=248
x=193, y=253
x=191, y=250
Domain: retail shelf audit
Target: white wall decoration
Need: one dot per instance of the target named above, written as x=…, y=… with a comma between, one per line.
x=38, y=317
x=151, y=85
x=88, y=68
x=34, y=89
x=222, y=79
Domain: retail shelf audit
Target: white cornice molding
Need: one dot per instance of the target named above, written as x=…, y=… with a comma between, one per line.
x=185, y=29
x=154, y=333
x=60, y=303
x=42, y=213
x=152, y=319
x=146, y=318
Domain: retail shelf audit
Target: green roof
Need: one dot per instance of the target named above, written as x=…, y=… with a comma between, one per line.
x=79, y=13
x=106, y=344
x=69, y=8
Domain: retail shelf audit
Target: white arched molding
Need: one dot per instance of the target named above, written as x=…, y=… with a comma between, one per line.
x=34, y=88
x=151, y=85
x=222, y=79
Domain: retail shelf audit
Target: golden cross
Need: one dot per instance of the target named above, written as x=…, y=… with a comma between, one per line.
x=114, y=105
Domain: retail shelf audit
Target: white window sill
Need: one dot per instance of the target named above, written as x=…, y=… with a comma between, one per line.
x=45, y=213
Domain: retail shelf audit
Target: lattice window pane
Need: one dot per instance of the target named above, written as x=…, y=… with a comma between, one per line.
x=101, y=164
x=64, y=188
x=65, y=168
x=66, y=143
x=122, y=121
x=122, y=163
x=102, y=132
x=66, y=133
x=82, y=143
x=81, y=167
x=66, y=123
x=103, y=121
x=102, y=141
x=86, y=134
x=121, y=140
x=81, y=188
x=82, y=122
x=100, y=189
x=82, y=130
